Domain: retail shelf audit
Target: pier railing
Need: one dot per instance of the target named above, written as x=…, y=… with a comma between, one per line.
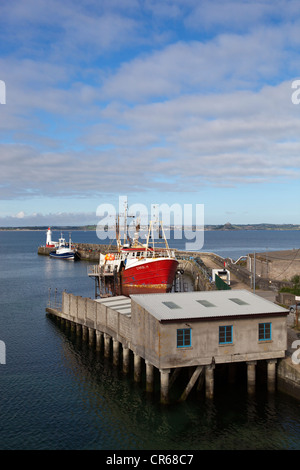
x=54, y=300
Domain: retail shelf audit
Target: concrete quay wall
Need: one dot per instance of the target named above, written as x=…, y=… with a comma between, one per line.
x=288, y=377
x=85, y=251
x=275, y=265
x=91, y=314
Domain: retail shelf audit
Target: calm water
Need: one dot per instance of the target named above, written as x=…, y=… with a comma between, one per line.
x=57, y=394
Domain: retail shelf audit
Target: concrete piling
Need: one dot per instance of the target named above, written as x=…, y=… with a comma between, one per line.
x=84, y=333
x=106, y=345
x=271, y=372
x=91, y=336
x=209, y=381
x=115, y=352
x=99, y=336
x=137, y=367
x=149, y=376
x=126, y=352
x=164, y=386
x=251, y=376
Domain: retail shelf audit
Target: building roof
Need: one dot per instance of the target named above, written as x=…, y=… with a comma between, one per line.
x=119, y=303
x=206, y=305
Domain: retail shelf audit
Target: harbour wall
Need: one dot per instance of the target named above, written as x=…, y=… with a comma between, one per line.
x=84, y=251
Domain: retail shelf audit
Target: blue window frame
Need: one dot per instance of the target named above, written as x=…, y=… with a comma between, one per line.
x=264, y=331
x=184, y=338
x=225, y=334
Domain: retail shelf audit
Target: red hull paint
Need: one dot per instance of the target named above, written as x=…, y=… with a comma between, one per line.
x=153, y=277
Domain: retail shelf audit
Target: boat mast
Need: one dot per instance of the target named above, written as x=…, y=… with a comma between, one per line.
x=118, y=232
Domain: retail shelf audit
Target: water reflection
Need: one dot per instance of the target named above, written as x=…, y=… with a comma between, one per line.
x=132, y=419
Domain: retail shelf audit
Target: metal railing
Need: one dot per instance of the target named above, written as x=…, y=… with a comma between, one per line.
x=54, y=301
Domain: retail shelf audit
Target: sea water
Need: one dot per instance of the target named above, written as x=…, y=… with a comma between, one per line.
x=56, y=393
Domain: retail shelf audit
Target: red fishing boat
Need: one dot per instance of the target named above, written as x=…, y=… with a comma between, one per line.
x=136, y=268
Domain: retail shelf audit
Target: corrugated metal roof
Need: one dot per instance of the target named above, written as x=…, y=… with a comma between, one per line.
x=206, y=304
x=119, y=303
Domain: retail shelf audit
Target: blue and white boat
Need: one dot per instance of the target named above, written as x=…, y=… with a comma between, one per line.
x=64, y=250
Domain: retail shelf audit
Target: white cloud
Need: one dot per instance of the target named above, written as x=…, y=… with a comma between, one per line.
x=146, y=96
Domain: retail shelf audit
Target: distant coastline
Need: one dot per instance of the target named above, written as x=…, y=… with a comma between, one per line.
x=227, y=226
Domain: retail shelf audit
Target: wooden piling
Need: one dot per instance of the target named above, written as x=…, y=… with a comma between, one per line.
x=191, y=383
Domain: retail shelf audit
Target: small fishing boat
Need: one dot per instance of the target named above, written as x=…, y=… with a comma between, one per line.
x=64, y=250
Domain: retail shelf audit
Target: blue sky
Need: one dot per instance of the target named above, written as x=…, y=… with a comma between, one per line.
x=164, y=101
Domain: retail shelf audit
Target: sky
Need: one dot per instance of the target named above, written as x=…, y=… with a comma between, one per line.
x=168, y=102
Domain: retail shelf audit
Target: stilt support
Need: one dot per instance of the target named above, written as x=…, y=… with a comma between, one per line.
x=126, y=352
x=91, y=336
x=209, y=381
x=115, y=352
x=137, y=367
x=271, y=374
x=106, y=345
x=99, y=336
x=191, y=383
x=149, y=377
x=251, y=376
x=164, y=386
x=84, y=333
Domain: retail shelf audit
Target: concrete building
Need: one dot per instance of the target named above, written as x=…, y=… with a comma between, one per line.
x=218, y=326
x=202, y=329
x=195, y=330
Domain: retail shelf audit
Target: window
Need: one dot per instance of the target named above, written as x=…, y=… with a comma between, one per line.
x=225, y=334
x=184, y=338
x=264, y=331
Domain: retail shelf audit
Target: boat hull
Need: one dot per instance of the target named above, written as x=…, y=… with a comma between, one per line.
x=62, y=255
x=152, y=277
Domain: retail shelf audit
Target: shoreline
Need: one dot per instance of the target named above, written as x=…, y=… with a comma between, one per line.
x=208, y=228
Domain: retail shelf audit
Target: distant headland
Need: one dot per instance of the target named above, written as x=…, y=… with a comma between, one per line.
x=227, y=226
